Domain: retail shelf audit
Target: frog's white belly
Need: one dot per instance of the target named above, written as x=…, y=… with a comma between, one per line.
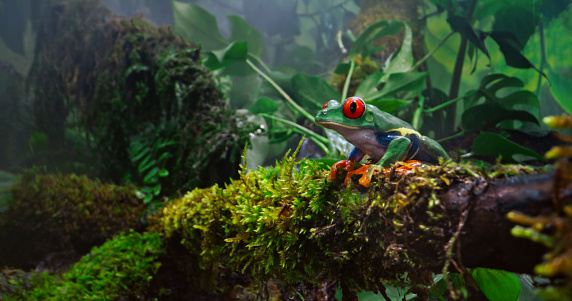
x=365, y=140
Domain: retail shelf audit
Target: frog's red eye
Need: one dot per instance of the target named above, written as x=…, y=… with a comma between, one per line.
x=325, y=105
x=354, y=107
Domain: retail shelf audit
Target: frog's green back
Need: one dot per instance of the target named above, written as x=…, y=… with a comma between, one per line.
x=385, y=122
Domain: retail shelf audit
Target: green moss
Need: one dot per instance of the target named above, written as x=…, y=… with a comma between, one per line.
x=55, y=213
x=288, y=224
x=122, y=79
x=120, y=269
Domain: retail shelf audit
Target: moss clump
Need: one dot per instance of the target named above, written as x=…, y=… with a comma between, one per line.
x=54, y=213
x=294, y=227
x=120, y=269
x=121, y=81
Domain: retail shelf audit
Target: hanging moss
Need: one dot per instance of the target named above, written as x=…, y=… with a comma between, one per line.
x=120, y=79
x=63, y=213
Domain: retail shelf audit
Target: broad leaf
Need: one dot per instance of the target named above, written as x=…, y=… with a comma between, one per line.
x=313, y=92
x=493, y=145
x=264, y=105
x=242, y=31
x=489, y=115
x=510, y=48
x=461, y=25
x=494, y=85
x=197, y=25
x=369, y=86
x=387, y=105
x=398, y=82
x=551, y=9
x=403, y=60
x=234, y=52
x=517, y=20
x=497, y=285
x=561, y=89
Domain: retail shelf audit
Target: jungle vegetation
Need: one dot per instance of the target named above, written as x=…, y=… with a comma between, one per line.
x=125, y=138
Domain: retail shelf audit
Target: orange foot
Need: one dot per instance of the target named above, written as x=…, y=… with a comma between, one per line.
x=346, y=165
x=404, y=169
x=364, y=180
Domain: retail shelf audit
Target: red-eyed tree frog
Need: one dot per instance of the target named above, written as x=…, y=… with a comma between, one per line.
x=385, y=138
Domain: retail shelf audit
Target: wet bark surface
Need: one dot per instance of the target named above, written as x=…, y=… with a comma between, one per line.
x=485, y=239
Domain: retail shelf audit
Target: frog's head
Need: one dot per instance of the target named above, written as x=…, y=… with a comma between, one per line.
x=352, y=114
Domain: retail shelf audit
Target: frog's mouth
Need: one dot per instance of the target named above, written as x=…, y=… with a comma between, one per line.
x=336, y=125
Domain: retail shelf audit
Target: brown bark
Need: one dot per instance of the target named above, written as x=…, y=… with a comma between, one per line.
x=485, y=238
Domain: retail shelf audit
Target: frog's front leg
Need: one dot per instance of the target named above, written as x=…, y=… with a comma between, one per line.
x=355, y=156
x=396, y=151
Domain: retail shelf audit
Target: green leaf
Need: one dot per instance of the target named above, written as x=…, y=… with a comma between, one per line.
x=142, y=151
x=148, y=198
x=197, y=25
x=461, y=25
x=519, y=21
x=493, y=145
x=510, y=48
x=403, y=60
x=369, y=86
x=151, y=176
x=489, y=115
x=163, y=173
x=551, y=9
x=499, y=84
x=561, y=89
x=140, y=194
x=398, y=82
x=146, y=163
x=236, y=51
x=156, y=189
x=313, y=92
x=147, y=190
x=242, y=31
x=497, y=284
x=387, y=105
x=264, y=105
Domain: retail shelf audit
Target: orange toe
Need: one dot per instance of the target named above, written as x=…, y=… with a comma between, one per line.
x=364, y=180
x=346, y=165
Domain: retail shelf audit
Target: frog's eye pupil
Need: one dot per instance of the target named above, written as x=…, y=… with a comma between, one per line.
x=354, y=107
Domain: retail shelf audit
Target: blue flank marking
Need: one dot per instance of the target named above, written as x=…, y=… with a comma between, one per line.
x=356, y=155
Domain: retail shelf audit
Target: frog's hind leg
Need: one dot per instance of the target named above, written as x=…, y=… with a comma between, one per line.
x=396, y=151
x=432, y=150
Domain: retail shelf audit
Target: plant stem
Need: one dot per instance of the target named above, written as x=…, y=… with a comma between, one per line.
x=417, y=115
x=260, y=62
x=458, y=70
x=452, y=136
x=348, y=80
x=542, y=58
x=428, y=55
x=438, y=107
x=319, y=140
x=282, y=92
